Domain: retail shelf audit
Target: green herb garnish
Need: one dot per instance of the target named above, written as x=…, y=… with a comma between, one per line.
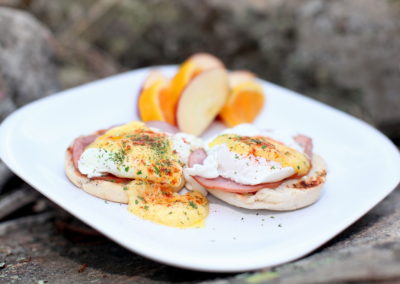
x=157, y=170
x=192, y=204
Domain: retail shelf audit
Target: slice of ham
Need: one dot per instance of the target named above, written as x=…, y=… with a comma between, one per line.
x=228, y=185
x=163, y=126
x=221, y=183
x=306, y=143
x=112, y=178
x=79, y=145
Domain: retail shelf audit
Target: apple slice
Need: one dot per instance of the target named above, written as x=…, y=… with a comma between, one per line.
x=205, y=61
x=188, y=70
x=201, y=100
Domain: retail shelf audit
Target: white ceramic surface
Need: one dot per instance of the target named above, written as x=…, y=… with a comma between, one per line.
x=363, y=168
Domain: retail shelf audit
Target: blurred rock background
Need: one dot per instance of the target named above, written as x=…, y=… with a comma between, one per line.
x=344, y=52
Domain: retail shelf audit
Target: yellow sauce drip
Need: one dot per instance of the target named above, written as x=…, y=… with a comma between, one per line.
x=162, y=205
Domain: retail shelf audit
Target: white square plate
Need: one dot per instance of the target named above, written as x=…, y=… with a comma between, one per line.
x=363, y=168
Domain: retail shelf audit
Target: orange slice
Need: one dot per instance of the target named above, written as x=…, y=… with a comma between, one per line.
x=153, y=89
x=245, y=101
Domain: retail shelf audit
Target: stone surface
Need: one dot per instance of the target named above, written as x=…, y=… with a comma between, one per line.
x=27, y=70
x=342, y=52
x=26, y=61
x=53, y=246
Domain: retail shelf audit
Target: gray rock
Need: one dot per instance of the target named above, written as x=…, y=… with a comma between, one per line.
x=344, y=53
x=352, y=45
x=26, y=57
x=5, y=175
x=27, y=70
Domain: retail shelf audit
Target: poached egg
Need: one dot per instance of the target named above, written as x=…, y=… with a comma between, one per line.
x=135, y=151
x=152, y=161
x=250, y=156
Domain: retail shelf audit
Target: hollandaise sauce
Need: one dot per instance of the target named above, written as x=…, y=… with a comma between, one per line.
x=161, y=204
x=265, y=147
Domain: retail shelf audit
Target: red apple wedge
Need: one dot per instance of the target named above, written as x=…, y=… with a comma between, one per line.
x=201, y=100
x=188, y=70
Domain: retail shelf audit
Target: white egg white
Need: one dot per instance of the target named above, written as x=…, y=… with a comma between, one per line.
x=247, y=170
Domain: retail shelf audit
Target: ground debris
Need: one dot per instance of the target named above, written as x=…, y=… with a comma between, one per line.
x=82, y=268
x=11, y=202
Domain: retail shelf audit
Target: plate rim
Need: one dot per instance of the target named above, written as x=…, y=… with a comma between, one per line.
x=7, y=123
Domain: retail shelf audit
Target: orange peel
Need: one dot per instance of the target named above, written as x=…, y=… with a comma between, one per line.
x=245, y=100
x=149, y=103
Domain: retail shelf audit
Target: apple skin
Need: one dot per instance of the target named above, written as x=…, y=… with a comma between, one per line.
x=188, y=70
x=202, y=100
x=206, y=61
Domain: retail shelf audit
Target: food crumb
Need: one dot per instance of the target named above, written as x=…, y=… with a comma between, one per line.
x=82, y=268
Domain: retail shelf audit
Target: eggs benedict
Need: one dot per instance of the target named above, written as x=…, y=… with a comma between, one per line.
x=140, y=165
x=258, y=169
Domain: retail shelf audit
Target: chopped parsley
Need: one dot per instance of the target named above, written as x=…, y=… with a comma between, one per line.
x=157, y=170
x=257, y=141
x=146, y=207
x=125, y=188
x=139, y=172
x=136, y=202
x=118, y=157
x=193, y=205
x=126, y=169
